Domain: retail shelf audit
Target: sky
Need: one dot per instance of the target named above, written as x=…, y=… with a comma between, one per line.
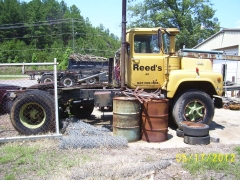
x=109, y=12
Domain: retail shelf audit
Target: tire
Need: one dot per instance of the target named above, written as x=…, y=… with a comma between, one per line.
x=67, y=81
x=33, y=113
x=6, y=105
x=194, y=106
x=47, y=78
x=196, y=129
x=196, y=140
x=82, y=111
x=9, y=106
x=179, y=132
x=91, y=81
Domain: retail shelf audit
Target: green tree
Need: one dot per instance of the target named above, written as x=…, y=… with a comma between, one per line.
x=9, y=15
x=186, y=15
x=41, y=30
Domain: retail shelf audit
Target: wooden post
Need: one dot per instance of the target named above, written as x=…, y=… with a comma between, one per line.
x=233, y=80
x=224, y=69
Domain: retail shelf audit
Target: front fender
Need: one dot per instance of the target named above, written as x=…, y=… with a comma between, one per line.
x=179, y=76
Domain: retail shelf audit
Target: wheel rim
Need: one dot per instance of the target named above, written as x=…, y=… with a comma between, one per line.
x=67, y=82
x=195, y=111
x=47, y=80
x=32, y=115
x=91, y=81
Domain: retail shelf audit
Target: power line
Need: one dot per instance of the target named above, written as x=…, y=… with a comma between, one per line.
x=55, y=49
x=35, y=36
x=50, y=23
x=92, y=34
x=29, y=24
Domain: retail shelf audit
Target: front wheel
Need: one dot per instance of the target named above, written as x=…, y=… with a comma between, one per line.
x=194, y=106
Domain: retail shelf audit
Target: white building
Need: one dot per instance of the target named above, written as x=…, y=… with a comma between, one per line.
x=227, y=40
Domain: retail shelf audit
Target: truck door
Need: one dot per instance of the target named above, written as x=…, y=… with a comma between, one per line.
x=146, y=62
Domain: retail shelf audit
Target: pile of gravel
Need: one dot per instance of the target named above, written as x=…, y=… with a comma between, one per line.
x=83, y=135
x=138, y=170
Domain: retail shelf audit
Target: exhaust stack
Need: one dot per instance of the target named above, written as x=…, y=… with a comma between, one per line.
x=123, y=46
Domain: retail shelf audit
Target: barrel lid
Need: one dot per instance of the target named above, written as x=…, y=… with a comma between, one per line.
x=125, y=98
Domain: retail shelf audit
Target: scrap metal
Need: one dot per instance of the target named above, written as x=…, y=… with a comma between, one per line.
x=141, y=95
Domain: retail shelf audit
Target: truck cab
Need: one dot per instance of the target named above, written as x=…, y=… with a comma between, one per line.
x=190, y=84
x=152, y=63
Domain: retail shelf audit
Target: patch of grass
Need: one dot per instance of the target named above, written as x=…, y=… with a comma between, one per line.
x=237, y=149
x=16, y=154
x=32, y=159
x=195, y=166
x=149, y=158
x=228, y=164
x=9, y=177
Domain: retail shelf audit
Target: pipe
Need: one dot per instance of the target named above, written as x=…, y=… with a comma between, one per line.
x=123, y=46
x=201, y=51
x=89, y=77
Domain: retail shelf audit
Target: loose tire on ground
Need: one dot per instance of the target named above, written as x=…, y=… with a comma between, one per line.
x=196, y=140
x=47, y=78
x=194, y=106
x=179, y=132
x=195, y=129
x=33, y=113
x=67, y=81
x=82, y=111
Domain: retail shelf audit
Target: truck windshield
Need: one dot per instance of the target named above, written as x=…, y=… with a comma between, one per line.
x=146, y=43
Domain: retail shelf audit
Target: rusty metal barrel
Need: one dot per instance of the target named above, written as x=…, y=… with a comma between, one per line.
x=155, y=120
x=126, y=118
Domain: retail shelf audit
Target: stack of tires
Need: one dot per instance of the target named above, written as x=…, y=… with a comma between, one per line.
x=194, y=133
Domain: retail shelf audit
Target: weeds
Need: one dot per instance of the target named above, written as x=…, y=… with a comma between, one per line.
x=229, y=164
x=34, y=159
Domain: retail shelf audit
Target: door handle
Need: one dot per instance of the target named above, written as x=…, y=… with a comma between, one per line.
x=137, y=61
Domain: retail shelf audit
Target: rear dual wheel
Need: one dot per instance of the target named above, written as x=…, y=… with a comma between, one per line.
x=47, y=78
x=91, y=81
x=33, y=113
x=81, y=111
x=68, y=81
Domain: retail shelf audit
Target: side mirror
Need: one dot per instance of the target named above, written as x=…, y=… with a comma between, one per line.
x=159, y=38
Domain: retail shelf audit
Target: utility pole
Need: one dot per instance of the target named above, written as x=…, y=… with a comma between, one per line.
x=123, y=47
x=73, y=35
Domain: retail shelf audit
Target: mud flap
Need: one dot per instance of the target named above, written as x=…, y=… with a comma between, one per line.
x=218, y=102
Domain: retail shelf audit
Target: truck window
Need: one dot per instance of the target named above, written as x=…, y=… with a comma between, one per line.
x=146, y=43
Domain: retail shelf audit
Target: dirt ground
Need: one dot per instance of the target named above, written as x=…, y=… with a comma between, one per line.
x=140, y=160
x=224, y=127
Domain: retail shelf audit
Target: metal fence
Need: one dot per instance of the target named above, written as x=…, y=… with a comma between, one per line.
x=27, y=111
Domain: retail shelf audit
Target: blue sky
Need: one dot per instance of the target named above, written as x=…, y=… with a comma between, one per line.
x=109, y=12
